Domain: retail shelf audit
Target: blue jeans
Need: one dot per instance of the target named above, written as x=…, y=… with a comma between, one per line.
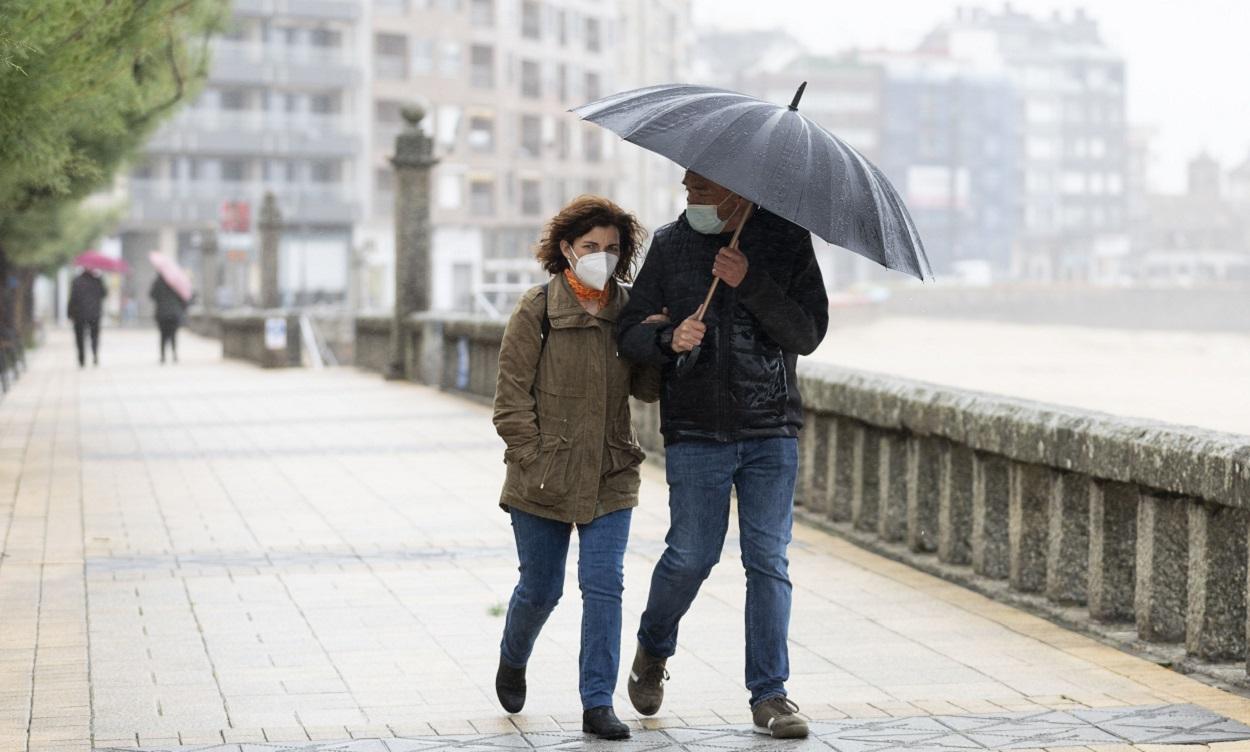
x=700, y=475
x=542, y=546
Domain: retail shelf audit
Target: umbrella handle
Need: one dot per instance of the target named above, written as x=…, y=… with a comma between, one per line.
x=733, y=243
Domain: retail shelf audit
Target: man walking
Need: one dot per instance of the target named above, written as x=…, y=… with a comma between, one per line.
x=86, y=297
x=730, y=421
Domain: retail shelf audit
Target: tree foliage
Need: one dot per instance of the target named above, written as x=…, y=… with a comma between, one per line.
x=82, y=84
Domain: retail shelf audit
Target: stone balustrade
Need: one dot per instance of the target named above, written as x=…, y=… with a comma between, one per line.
x=1138, y=528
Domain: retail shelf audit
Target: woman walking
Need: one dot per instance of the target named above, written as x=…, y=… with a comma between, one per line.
x=170, y=308
x=562, y=408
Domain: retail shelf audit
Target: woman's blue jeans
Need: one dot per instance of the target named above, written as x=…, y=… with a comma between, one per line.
x=700, y=476
x=542, y=546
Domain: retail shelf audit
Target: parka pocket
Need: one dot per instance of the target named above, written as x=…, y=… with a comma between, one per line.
x=547, y=477
x=623, y=453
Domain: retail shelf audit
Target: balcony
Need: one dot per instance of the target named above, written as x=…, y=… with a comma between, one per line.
x=198, y=202
x=201, y=131
x=254, y=63
x=321, y=10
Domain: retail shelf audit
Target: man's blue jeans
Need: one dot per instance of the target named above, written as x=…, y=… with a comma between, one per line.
x=542, y=546
x=700, y=475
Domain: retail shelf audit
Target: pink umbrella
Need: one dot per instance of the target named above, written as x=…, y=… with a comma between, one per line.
x=100, y=262
x=173, y=274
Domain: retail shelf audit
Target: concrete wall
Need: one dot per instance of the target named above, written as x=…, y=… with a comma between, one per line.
x=1127, y=528
x=243, y=337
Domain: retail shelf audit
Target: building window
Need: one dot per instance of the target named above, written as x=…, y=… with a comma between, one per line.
x=233, y=170
x=325, y=171
x=449, y=62
x=422, y=57
x=562, y=139
x=482, y=198
x=531, y=197
x=234, y=99
x=593, y=41
x=326, y=38
x=592, y=145
x=482, y=133
x=449, y=190
x=531, y=136
x=482, y=13
x=390, y=56
x=384, y=179
x=593, y=90
x=325, y=104
x=531, y=80
x=482, y=66
x=531, y=19
x=562, y=28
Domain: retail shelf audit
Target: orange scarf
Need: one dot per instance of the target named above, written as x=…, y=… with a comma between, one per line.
x=585, y=292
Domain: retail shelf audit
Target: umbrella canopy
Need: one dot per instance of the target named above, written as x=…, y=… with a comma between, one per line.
x=100, y=262
x=173, y=275
x=775, y=157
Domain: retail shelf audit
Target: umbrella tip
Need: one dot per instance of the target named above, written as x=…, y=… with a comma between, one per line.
x=794, y=104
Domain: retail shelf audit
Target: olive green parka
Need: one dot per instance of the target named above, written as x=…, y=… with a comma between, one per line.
x=563, y=408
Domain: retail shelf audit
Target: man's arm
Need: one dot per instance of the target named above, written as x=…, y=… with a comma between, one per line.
x=638, y=341
x=795, y=318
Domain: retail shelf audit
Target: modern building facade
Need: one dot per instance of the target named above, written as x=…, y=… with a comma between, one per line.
x=282, y=111
x=1073, y=138
x=497, y=78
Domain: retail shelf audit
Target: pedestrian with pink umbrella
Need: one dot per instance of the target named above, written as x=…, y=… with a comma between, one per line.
x=86, y=299
x=171, y=291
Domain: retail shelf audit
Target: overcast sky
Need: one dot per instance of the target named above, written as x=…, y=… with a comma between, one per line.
x=1188, y=61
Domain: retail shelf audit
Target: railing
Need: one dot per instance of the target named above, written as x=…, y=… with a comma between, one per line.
x=1129, y=528
x=256, y=52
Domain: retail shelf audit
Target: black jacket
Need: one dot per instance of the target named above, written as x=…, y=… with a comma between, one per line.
x=86, y=295
x=169, y=304
x=743, y=385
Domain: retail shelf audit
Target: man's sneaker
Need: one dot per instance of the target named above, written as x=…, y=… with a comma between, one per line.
x=776, y=717
x=646, y=682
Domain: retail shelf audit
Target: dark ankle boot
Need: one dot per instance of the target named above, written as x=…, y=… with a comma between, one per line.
x=510, y=687
x=603, y=723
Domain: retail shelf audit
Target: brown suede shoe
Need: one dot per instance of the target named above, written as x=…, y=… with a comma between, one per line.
x=777, y=717
x=646, y=682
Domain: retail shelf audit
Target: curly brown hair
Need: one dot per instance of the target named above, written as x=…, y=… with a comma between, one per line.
x=582, y=215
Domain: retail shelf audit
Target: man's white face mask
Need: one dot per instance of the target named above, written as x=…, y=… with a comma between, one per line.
x=705, y=218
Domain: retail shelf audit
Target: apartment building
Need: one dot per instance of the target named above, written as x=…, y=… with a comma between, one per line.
x=282, y=111
x=1074, y=140
x=497, y=78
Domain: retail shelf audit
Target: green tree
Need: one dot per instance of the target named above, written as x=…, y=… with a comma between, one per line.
x=83, y=84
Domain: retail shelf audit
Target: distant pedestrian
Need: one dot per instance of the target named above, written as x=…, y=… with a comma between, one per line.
x=86, y=298
x=170, y=308
x=562, y=408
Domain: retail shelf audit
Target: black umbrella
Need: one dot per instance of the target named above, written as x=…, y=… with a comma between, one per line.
x=775, y=157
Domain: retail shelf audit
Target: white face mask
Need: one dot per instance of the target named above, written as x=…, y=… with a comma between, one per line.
x=593, y=269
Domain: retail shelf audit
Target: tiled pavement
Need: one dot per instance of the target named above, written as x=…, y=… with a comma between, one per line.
x=212, y=554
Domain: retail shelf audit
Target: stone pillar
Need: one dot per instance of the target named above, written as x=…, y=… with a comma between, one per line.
x=955, y=505
x=208, y=271
x=1067, y=549
x=990, y=502
x=925, y=464
x=892, y=511
x=413, y=161
x=1112, y=550
x=808, y=484
x=867, y=482
x=1032, y=490
x=1162, y=568
x=270, y=238
x=1215, y=627
x=842, y=476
